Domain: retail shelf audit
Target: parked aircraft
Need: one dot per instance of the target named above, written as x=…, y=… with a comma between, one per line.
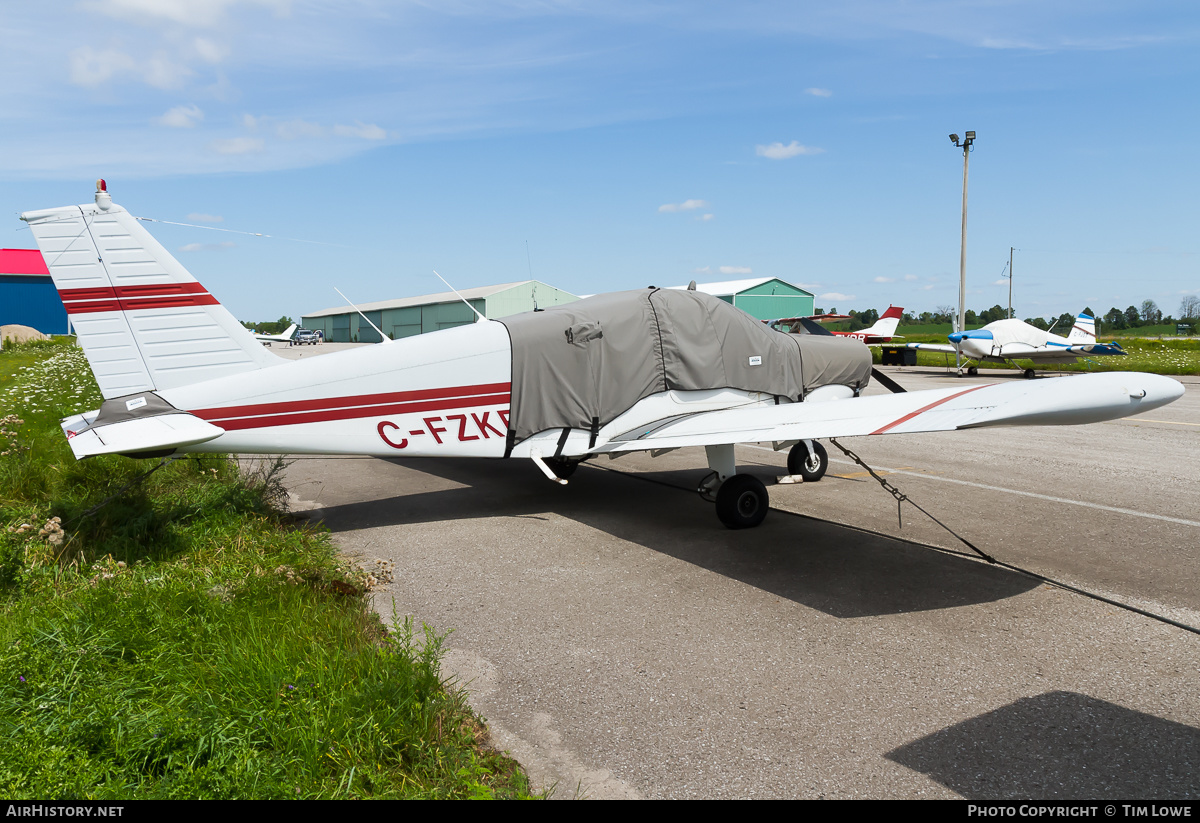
x=283, y=337
x=1004, y=341
x=646, y=370
x=881, y=332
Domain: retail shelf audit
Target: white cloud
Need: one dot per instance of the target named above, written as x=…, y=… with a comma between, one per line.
x=228, y=244
x=885, y=280
x=292, y=129
x=819, y=92
x=735, y=270
x=360, y=129
x=838, y=296
x=812, y=287
x=164, y=73
x=205, y=218
x=237, y=145
x=686, y=205
x=705, y=217
x=182, y=117
x=91, y=68
x=778, y=151
x=251, y=123
x=1000, y=282
x=209, y=51
x=197, y=13
x=704, y=270
x=911, y=278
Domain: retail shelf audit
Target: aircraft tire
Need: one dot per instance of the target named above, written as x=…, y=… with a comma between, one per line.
x=562, y=467
x=742, y=502
x=810, y=467
x=1029, y=373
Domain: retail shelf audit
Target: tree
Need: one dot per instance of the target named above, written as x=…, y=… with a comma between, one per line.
x=1151, y=314
x=1115, y=318
x=993, y=314
x=1132, y=318
x=1038, y=323
x=1189, y=307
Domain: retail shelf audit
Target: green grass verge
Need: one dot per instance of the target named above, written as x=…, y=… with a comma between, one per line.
x=189, y=640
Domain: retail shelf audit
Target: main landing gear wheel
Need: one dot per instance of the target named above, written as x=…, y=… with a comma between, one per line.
x=1029, y=374
x=742, y=502
x=972, y=370
x=562, y=467
x=809, y=466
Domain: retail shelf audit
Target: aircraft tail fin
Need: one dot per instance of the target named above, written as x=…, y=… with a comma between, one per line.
x=287, y=333
x=1084, y=330
x=143, y=321
x=886, y=325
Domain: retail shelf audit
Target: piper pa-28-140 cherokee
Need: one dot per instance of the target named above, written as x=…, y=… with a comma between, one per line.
x=647, y=370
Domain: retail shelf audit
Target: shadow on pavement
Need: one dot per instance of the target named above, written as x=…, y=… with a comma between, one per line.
x=841, y=571
x=1061, y=745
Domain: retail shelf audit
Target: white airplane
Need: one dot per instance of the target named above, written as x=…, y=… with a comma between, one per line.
x=1004, y=341
x=284, y=337
x=881, y=332
x=648, y=370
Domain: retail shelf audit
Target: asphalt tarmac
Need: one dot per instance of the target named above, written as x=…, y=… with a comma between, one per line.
x=622, y=643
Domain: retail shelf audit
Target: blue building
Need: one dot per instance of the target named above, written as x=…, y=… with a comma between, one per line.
x=27, y=294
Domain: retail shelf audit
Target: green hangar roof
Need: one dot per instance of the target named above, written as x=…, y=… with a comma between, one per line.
x=763, y=297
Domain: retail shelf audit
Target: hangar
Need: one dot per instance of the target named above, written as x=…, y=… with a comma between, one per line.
x=27, y=294
x=430, y=312
x=765, y=298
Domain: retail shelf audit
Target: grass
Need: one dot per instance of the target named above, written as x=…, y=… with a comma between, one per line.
x=1180, y=356
x=189, y=640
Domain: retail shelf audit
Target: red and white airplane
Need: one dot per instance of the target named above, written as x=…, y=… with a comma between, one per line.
x=648, y=370
x=881, y=332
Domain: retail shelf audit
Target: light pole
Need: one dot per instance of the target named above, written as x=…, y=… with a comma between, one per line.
x=965, y=145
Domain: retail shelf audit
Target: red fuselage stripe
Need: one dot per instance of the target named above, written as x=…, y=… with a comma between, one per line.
x=924, y=409
x=132, y=298
x=349, y=408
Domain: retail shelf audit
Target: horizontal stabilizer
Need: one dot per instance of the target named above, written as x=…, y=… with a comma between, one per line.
x=140, y=434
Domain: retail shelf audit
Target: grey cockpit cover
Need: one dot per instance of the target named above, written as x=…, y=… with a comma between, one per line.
x=583, y=364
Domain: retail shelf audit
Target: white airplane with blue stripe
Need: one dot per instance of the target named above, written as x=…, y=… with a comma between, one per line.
x=1005, y=341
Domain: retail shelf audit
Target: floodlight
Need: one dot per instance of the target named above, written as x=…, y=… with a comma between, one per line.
x=954, y=138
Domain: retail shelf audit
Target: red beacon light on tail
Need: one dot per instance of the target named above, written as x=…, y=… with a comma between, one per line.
x=103, y=198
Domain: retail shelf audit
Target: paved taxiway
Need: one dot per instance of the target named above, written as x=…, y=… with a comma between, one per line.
x=622, y=643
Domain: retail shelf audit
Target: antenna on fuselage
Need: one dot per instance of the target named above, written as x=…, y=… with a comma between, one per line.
x=383, y=337
x=460, y=297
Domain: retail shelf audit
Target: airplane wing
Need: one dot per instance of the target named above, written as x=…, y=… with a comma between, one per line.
x=1067, y=400
x=943, y=347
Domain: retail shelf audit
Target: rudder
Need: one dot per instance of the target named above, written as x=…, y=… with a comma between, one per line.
x=143, y=321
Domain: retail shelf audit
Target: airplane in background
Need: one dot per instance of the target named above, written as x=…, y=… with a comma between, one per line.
x=646, y=370
x=881, y=332
x=284, y=337
x=1004, y=341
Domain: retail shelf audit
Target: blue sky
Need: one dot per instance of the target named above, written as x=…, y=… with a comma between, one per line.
x=610, y=145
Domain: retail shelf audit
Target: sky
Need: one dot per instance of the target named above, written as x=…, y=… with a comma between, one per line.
x=599, y=146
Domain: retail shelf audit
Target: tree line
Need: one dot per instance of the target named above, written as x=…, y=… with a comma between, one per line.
x=1149, y=314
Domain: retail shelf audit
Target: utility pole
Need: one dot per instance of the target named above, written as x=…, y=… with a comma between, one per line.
x=965, y=145
x=1010, y=275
